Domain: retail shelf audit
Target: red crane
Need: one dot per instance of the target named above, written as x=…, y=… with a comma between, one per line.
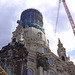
x=68, y=14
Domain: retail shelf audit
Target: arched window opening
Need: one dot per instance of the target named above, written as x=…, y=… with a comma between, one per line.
x=50, y=61
x=40, y=35
x=29, y=71
x=51, y=73
x=14, y=40
x=63, y=58
x=45, y=50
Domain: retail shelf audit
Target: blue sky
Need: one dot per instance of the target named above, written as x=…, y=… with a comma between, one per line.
x=10, y=12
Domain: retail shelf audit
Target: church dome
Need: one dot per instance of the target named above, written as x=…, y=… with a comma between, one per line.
x=31, y=17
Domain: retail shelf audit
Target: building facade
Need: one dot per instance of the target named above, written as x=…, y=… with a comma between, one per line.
x=29, y=52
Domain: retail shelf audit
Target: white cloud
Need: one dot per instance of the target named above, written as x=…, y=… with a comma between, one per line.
x=52, y=2
x=71, y=5
x=2, y=2
x=73, y=58
x=73, y=61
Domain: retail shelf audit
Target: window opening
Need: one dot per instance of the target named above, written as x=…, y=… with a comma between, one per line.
x=45, y=50
x=39, y=35
x=29, y=71
x=30, y=59
x=14, y=40
x=63, y=58
x=51, y=61
x=51, y=73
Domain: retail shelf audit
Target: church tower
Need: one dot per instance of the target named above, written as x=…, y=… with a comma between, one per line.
x=61, y=51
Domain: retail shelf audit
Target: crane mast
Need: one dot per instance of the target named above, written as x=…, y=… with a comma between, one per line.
x=69, y=16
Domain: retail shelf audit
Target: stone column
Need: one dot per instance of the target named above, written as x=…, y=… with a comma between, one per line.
x=45, y=72
x=40, y=70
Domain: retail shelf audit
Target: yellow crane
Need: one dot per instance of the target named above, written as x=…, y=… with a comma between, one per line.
x=68, y=14
x=2, y=72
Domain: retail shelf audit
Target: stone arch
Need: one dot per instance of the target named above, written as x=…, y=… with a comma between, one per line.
x=52, y=72
x=33, y=68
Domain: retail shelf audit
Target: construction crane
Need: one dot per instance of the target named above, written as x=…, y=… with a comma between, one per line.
x=68, y=14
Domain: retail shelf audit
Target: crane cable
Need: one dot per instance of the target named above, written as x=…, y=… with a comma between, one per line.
x=57, y=16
